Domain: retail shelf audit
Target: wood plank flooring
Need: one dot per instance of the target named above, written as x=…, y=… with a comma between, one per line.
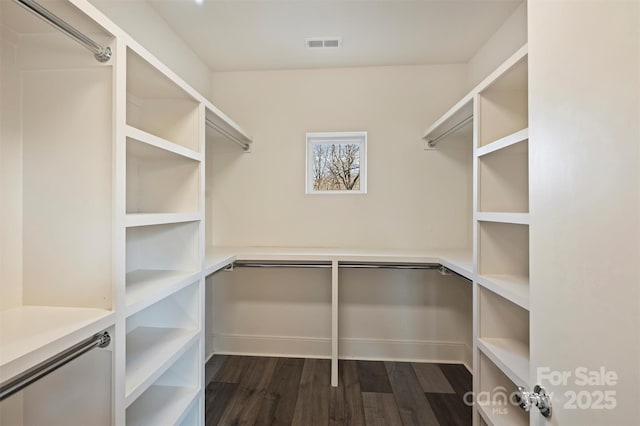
x=245, y=390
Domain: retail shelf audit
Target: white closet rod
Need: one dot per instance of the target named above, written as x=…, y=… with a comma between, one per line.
x=102, y=54
x=24, y=379
x=433, y=142
x=245, y=146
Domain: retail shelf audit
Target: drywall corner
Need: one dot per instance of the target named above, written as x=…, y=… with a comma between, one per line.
x=511, y=35
x=149, y=29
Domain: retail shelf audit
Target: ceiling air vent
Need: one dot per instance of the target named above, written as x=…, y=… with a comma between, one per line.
x=323, y=42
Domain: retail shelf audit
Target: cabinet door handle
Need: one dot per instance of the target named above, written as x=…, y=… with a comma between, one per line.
x=538, y=398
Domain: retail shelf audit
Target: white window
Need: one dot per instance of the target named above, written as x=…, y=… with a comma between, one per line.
x=337, y=163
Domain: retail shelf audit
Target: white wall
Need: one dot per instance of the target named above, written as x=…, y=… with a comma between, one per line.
x=415, y=199
x=10, y=174
x=148, y=28
x=511, y=36
x=584, y=88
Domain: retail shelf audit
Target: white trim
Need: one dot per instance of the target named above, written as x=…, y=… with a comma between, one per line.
x=318, y=138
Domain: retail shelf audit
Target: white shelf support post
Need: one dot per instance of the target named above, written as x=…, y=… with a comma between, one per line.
x=334, y=323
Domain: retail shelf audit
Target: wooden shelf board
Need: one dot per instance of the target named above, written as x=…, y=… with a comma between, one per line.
x=514, y=288
x=161, y=405
x=503, y=217
x=146, y=219
x=458, y=260
x=150, y=352
x=217, y=259
x=509, y=355
x=152, y=146
x=503, y=143
x=31, y=334
x=145, y=287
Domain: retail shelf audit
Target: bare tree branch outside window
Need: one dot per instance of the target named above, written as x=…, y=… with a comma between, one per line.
x=336, y=167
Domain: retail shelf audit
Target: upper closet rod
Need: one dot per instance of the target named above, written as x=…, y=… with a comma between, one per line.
x=245, y=146
x=24, y=379
x=433, y=142
x=102, y=54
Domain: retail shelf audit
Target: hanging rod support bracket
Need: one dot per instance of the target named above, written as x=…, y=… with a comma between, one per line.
x=104, y=55
x=101, y=53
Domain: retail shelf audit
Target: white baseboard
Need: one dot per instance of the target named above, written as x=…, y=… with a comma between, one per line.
x=348, y=348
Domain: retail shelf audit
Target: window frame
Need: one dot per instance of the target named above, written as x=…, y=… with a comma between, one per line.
x=323, y=138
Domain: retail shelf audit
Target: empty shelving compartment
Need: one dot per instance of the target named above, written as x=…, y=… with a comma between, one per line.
x=160, y=260
x=504, y=260
x=503, y=177
x=495, y=400
x=158, y=336
x=503, y=335
x=161, y=181
x=160, y=107
x=503, y=106
x=169, y=399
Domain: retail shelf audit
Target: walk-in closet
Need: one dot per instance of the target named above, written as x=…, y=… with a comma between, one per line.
x=319, y=213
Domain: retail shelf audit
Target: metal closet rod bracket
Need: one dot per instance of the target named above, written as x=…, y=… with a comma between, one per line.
x=101, y=53
x=35, y=373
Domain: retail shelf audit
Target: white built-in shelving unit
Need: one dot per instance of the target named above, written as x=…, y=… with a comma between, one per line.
x=102, y=217
x=56, y=208
x=499, y=106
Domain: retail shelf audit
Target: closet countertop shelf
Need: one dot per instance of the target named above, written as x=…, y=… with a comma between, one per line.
x=31, y=334
x=458, y=260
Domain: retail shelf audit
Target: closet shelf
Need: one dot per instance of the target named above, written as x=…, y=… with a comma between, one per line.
x=509, y=355
x=503, y=217
x=150, y=352
x=161, y=405
x=458, y=260
x=145, y=287
x=155, y=143
x=455, y=115
x=494, y=416
x=514, y=288
x=216, y=259
x=146, y=219
x=31, y=334
x=505, y=142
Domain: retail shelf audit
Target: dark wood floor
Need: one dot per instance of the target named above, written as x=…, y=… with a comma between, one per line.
x=293, y=391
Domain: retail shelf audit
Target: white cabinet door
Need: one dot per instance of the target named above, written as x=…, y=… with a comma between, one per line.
x=584, y=106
